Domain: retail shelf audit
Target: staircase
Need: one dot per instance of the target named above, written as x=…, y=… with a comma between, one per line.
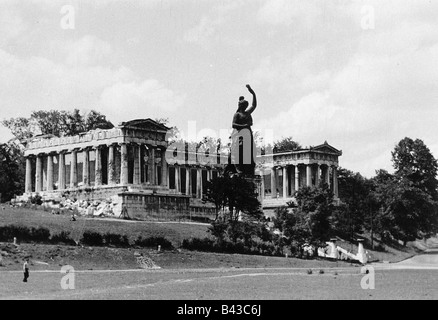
x=270, y=203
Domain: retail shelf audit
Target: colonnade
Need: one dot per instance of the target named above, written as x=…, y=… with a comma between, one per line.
x=114, y=164
x=290, y=178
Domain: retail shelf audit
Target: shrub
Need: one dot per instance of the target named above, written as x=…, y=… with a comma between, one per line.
x=41, y=235
x=116, y=240
x=309, y=271
x=153, y=242
x=7, y=233
x=62, y=237
x=36, y=199
x=92, y=238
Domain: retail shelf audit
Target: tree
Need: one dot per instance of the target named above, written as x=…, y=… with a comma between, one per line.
x=407, y=212
x=57, y=123
x=354, y=193
x=413, y=161
x=408, y=200
x=12, y=168
x=216, y=193
x=285, y=145
x=235, y=192
x=310, y=221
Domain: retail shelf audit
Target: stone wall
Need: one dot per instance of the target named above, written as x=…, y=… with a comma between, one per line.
x=156, y=206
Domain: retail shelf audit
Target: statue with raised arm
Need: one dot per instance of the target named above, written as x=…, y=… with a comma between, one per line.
x=243, y=150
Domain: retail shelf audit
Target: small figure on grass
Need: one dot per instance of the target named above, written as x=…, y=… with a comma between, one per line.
x=26, y=269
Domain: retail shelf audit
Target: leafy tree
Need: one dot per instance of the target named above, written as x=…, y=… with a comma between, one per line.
x=285, y=145
x=354, y=193
x=12, y=168
x=57, y=123
x=408, y=200
x=413, y=160
x=216, y=193
x=282, y=145
x=310, y=221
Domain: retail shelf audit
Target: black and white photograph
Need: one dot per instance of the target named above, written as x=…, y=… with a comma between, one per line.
x=219, y=154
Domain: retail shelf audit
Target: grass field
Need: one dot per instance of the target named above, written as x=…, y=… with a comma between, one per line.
x=173, y=231
x=224, y=284
x=85, y=258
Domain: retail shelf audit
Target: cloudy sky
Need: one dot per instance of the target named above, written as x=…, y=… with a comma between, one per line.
x=360, y=74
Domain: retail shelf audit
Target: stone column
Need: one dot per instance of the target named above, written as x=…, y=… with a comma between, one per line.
x=262, y=174
x=50, y=172
x=111, y=165
x=327, y=175
x=273, y=183
x=199, y=183
x=153, y=168
x=285, y=182
x=177, y=178
x=73, y=169
x=297, y=178
x=317, y=175
x=98, y=167
x=188, y=180
x=308, y=175
x=61, y=171
x=28, y=184
x=136, y=179
x=124, y=165
x=38, y=174
x=335, y=182
x=164, y=169
x=86, y=168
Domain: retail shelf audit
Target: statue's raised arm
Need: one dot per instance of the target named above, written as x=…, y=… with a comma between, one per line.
x=254, y=100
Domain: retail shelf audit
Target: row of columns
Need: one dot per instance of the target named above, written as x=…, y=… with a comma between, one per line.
x=325, y=170
x=188, y=180
x=124, y=169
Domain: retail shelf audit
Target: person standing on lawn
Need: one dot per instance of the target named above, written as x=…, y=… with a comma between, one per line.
x=26, y=269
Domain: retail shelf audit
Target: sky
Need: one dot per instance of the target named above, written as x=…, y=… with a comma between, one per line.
x=361, y=75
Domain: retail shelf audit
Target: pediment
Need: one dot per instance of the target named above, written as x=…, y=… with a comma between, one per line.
x=326, y=148
x=144, y=124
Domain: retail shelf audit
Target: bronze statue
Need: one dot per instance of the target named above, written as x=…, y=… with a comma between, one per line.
x=242, y=156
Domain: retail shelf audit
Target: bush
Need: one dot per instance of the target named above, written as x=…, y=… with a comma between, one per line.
x=116, y=240
x=41, y=235
x=7, y=233
x=92, y=238
x=153, y=242
x=62, y=237
x=36, y=199
x=253, y=247
x=197, y=244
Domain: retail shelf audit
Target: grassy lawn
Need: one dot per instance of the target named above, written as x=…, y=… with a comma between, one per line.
x=174, y=232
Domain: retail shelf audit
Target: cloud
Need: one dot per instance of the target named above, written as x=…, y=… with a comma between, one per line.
x=11, y=25
x=117, y=92
x=289, y=12
x=384, y=89
x=144, y=99
x=88, y=50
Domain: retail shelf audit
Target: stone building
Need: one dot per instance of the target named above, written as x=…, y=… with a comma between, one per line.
x=284, y=173
x=126, y=165
x=133, y=165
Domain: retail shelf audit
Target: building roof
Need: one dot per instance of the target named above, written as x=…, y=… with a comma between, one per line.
x=144, y=124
